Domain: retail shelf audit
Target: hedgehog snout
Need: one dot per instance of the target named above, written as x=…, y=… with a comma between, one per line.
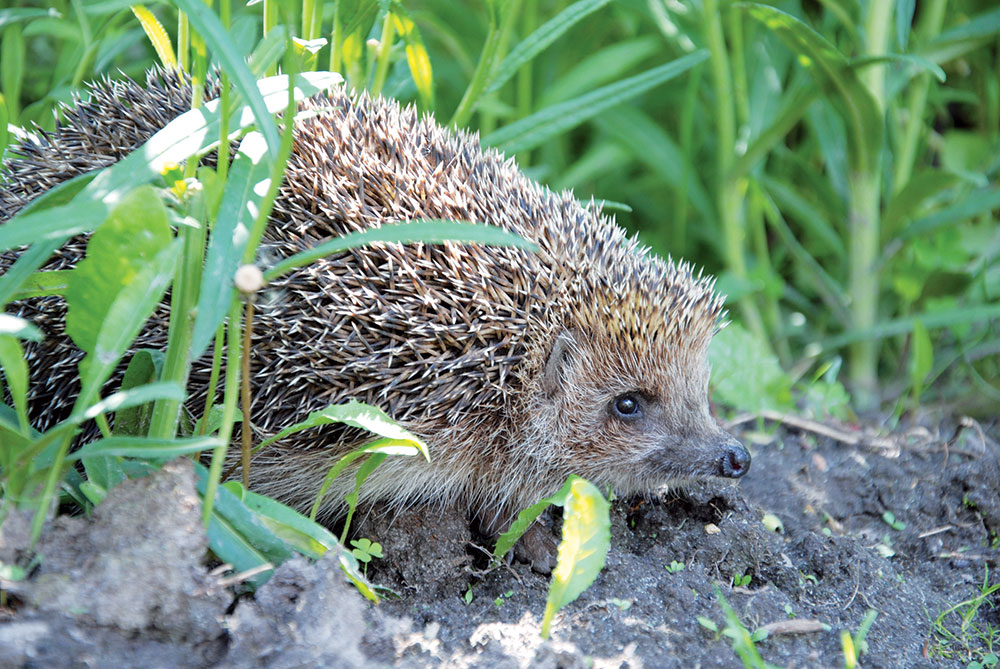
x=735, y=460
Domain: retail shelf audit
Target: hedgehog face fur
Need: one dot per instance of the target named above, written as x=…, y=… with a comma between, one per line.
x=517, y=368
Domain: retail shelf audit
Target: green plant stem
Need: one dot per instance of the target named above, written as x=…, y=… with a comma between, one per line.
x=183, y=301
x=492, y=52
x=730, y=190
x=246, y=436
x=335, y=41
x=183, y=41
x=932, y=18
x=529, y=21
x=307, y=19
x=384, y=51
x=230, y=395
x=678, y=238
x=270, y=21
x=213, y=378
x=864, y=217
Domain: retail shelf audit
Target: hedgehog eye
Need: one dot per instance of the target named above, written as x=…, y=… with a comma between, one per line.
x=626, y=406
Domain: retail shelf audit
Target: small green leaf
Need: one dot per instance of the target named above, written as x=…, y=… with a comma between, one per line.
x=416, y=54
x=708, y=624
x=144, y=368
x=586, y=536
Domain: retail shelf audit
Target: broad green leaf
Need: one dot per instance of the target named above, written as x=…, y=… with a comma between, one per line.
x=540, y=39
x=246, y=185
x=429, y=232
x=586, y=536
x=15, y=373
x=822, y=60
x=268, y=51
x=43, y=284
x=133, y=235
x=356, y=414
x=18, y=327
x=526, y=517
x=745, y=374
x=124, y=320
x=303, y=535
x=537, y=128
x=416, y=54
x=157, y=36
x=144, y=368
x=904, y=19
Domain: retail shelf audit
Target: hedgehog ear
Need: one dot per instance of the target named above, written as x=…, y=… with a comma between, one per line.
x=562, y=350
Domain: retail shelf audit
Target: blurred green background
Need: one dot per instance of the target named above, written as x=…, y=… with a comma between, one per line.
x=834, y=163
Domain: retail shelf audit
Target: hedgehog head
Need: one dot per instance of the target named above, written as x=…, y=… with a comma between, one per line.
x=624, y=382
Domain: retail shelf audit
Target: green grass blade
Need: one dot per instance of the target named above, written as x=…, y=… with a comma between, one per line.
x=429, y=232
x=15, y=374
x=541, y=126
x=932, y=319
x=539, y=40
x=144, y=448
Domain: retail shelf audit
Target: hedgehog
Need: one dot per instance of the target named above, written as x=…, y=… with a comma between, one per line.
x=516, y=367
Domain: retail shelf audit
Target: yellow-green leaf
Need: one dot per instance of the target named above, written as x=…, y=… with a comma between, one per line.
x=586, y=536
x=157, y=35
x=416, y=55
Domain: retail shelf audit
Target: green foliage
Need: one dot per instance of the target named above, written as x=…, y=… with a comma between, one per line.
x=834, y=164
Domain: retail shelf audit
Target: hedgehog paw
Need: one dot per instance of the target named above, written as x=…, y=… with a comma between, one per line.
x=538, y=547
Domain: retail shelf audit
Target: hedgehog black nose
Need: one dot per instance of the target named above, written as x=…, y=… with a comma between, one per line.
x=735, y=461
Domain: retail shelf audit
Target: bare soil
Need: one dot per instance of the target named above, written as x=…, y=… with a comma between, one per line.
x=131, y=586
